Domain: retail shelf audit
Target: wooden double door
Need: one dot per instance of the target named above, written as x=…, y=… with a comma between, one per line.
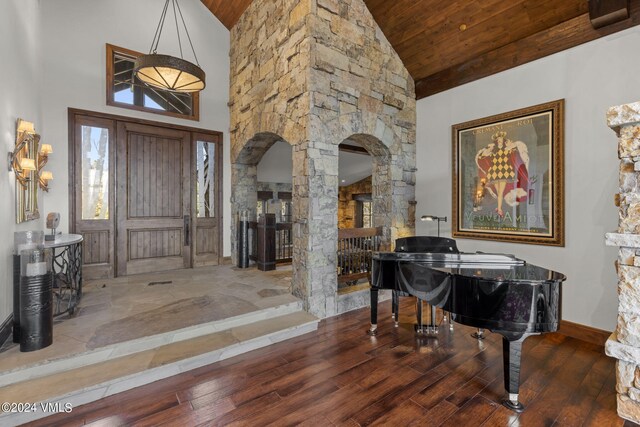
x=147, y=195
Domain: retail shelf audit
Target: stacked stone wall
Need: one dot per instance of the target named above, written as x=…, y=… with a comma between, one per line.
x=316, y=73
x=347, y=205
x=624, y=344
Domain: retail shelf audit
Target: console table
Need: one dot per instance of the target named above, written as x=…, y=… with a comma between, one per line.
x=66, y=264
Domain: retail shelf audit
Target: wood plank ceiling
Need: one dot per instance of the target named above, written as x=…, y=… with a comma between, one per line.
x=445, y=44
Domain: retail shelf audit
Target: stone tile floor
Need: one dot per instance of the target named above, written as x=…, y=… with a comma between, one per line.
x=128, y=308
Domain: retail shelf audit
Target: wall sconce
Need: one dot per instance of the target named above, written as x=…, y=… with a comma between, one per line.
x=19, y=160
x=44, y=176
x=434, y=218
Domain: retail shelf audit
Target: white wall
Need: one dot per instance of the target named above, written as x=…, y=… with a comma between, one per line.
x=20, y=53
x=591, y=78
x=276, y=165
x=74, y=34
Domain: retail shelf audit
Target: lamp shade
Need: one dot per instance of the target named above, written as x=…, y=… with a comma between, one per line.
x=27, y=164
x=46, y=175
x=169, y=73
x=25, y=127
x=46, y=149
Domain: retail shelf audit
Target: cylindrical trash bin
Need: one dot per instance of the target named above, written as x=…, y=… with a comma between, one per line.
x=22, y=240
x=243, y=240
x=36, y=300
x=16, y=298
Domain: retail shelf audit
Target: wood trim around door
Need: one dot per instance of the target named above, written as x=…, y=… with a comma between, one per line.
x=213, y=136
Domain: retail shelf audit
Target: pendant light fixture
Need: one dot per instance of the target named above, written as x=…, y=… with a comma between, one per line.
x=169, y=72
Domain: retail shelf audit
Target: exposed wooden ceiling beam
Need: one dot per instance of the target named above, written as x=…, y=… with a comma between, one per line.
x=607, y=12
x=558, y=38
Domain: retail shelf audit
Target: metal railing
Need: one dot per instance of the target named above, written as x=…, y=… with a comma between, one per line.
x=355, y=248
x=283, y=241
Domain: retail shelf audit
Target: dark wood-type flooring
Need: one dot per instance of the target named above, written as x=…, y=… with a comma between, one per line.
x=340, y=376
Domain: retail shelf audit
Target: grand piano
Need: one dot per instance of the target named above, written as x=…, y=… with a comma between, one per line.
x=497, y=292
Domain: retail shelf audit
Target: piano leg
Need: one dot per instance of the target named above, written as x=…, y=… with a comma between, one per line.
x=394, y=307
x=434, y=325
x=511, y=357
x=373, y=330
x=419, y=328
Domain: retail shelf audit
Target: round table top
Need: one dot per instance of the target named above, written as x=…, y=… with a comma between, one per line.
x=63, y=240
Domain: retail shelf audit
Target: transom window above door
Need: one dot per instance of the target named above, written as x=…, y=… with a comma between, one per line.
x=126, y=91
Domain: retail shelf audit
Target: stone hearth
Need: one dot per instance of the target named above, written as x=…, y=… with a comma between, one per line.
x=624, y=343
x=316, y=73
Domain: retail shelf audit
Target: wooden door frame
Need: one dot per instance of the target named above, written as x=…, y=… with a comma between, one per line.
x=214, y=136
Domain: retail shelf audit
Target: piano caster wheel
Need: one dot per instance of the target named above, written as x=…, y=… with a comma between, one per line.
x=426, y=330
x=513, y=405
x=373, y=331
x=478, y=335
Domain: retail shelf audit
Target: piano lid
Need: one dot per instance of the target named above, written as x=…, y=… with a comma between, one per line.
x=460, y=258
x=479, y=265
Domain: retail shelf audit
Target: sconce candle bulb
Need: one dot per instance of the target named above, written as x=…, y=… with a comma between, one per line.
x=46, y=149
x=27, y=164
x=21, y=160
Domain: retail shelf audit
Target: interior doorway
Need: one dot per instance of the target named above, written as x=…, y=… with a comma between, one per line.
x=147, y=195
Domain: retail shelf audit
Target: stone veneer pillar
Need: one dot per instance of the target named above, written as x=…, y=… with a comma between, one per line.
x=624, y=343
x=316, y=73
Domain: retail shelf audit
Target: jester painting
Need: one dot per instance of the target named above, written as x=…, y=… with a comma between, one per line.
x=503, y=167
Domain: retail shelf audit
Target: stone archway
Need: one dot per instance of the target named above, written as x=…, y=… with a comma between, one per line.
x=244, y=180
x=381, y=180
x=317, y=82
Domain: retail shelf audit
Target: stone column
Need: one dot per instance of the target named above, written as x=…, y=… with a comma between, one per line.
x=624, y=343
x=315, y=228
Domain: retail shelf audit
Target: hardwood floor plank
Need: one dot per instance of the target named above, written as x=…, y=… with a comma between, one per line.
x=458, y=377
x=545, y=409
x=339, y=376
x=380, y=407
x=403, y=414
x=474, y=413
x=599, y=415
x=577, y=408
x=439, y=413
x=259, y=404
x=306, y=398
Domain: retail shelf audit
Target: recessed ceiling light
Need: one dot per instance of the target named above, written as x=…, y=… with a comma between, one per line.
x=344, y=180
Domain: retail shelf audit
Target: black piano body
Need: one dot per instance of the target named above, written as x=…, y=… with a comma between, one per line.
x=422, y=244
x=492, y=291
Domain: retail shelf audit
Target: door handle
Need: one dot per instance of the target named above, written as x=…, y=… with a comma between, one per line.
x=187, y=230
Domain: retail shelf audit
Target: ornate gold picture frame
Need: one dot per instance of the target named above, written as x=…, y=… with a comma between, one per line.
x=508, y=180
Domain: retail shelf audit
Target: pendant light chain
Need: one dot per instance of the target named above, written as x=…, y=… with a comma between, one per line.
x=175, y=18
x=188, y=36
x=156, y=36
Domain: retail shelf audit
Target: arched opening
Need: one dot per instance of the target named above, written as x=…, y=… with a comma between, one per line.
x=364, y=218
x=261, y=182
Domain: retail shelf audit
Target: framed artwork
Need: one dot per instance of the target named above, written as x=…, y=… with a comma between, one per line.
x=508, y=182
